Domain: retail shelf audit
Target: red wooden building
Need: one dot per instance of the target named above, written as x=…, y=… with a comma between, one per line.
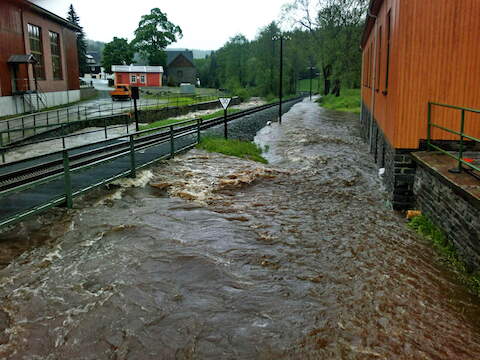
x=38, y=58
x=136, y=75
x=416, y=52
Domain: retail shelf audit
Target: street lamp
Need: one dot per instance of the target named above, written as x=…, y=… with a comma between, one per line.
x=280, y=37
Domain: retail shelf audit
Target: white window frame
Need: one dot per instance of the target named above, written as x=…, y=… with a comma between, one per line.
x=143, y=78
x=133, y=78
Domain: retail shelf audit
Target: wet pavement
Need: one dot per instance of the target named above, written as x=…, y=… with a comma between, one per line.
x=213, y=257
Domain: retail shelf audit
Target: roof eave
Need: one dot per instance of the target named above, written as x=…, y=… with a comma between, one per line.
x=54, y=17
x=373, y=11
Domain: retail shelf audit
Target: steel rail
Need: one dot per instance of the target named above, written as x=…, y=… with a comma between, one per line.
x=69, y=164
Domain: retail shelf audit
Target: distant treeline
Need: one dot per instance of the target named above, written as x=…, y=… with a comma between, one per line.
x=328, y=42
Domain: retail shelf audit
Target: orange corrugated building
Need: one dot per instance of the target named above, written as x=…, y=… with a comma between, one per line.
x=416, y=52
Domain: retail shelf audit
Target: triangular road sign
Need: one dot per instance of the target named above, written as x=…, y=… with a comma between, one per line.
x=225, y=102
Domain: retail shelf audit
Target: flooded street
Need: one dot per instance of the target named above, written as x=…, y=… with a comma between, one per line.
x=212, y=257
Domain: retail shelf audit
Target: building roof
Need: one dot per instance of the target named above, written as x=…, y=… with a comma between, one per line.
x=137, y=69
x=373, y=9
x=173, y=54
x=52, y=16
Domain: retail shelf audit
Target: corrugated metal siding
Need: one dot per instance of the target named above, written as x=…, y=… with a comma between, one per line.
x=435, y=57
x=385, y=104
x=441, y=63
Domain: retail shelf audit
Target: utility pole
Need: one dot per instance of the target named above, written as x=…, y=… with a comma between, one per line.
x=280, y=37
x=280, y=95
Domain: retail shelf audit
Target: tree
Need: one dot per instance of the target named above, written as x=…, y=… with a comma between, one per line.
x=153, y=35
x=117, y=52
x=335, y=27
x=81, y=43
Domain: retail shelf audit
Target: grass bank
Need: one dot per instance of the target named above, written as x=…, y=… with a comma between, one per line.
x=348, y=101
x=423, y=226
x=241, y=149
x=304, y=85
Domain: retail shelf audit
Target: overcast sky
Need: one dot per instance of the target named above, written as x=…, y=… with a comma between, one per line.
x=206, y=24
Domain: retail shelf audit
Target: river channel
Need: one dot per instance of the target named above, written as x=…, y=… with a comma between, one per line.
x=212, y=257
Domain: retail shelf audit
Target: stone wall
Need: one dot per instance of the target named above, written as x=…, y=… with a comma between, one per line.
x=398, y=164
x=451, y=209
x=87, y=93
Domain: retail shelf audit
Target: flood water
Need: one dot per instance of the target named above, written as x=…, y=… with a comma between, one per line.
x=210, y=257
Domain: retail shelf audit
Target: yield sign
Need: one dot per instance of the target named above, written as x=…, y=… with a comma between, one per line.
x=225, y=102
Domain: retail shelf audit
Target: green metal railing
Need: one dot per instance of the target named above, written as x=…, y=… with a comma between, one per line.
x=463, y=137
x=20, y=127
x=130, y=146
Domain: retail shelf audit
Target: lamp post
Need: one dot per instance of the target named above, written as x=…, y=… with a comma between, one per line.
x=280, y=37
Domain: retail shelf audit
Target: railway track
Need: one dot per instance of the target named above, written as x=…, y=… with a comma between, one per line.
x=59, y=176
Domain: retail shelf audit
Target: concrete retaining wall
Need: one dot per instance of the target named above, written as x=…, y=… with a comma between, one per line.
x=12, y=105
x=87, y=93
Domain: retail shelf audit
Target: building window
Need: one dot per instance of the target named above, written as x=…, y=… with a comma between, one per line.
x=389, y=38
x=56, y=56
x=133, y=79
x=142, y=79
x=180, y=74
x=36, y=48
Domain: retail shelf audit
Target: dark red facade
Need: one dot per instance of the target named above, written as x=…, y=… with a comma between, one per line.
x=15, y=16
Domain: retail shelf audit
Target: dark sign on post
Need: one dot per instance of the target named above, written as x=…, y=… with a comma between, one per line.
x=135, y=96
x=225, y=102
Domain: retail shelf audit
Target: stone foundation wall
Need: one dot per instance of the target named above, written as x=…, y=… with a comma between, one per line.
x=398, y=164
x=452, y=210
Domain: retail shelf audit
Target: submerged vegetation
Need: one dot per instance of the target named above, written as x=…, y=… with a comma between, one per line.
x=349, y=101
x=422, y=225
x=242, y=149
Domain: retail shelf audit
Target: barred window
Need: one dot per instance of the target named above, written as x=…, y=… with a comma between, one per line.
x=56, y=56
x=36, y=48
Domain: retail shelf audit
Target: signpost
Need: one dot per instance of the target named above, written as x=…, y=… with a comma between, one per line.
x=225, y=102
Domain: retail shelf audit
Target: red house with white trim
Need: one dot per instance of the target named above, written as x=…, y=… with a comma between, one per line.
x=136, y=75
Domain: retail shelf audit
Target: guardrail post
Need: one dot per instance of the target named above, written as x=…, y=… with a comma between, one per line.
x=199, y=122
x=68, y=114
x=23, y=127
x=9, y=138
x=68, y=180
x=133, y=172
x=429, y=126
x=461, y=150
x=34, y=124
x=2, y=150
x=105, y=127
x=172, y=143
x=58, y=116
x=63, y=136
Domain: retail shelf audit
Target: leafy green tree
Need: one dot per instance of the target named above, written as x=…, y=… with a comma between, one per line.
x=81, y=43
x=117, y=52
x=154, y=33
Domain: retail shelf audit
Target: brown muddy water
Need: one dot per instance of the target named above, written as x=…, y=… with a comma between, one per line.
x=222, y=258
